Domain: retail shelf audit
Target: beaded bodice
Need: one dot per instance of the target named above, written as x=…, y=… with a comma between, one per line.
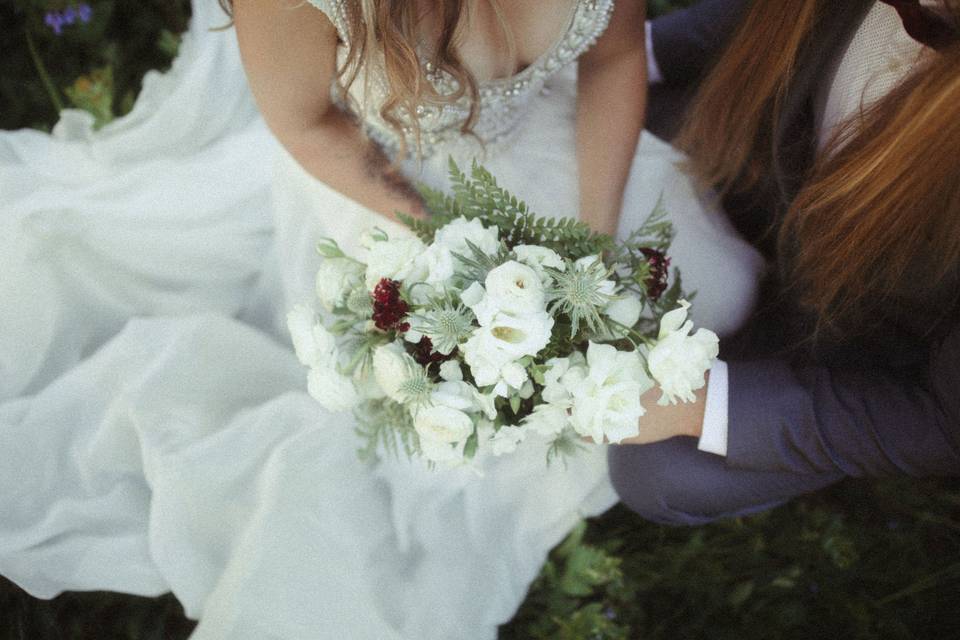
x=502, y=100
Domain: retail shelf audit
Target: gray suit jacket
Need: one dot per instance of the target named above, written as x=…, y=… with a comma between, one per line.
x=881, y=403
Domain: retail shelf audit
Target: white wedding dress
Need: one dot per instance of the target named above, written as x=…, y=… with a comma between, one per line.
x=155, y=433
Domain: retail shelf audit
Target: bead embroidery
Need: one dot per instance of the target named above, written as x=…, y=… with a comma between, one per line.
x=501, y=100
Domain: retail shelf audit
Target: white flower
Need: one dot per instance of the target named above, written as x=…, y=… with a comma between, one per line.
x=506, y=440
x=472, y=295
x=454, y=236
x=547, y=419
x=399, y=375
x=625, y=310
x=450, y=371
x=515, y=288
x=492, y=350
x=334, y=391
x=314, y=345
x=606, y=394
x=336, y=278
x=538, y=258
x=604, y=287
x=485, y=402
x=440, y=429
x=679, y=361
x=456, y=395
x=393, y=259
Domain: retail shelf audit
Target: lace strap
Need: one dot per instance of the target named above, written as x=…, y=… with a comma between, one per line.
x=336, y=12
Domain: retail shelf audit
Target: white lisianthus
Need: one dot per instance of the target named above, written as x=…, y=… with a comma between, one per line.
x=679, y=361
x=624, y=311
x=538, y=258
x=515, y=288
x=313, y=344
x=333, y=390
x=393, y=259
x=492, y=350
x=336, y=278
x=454, y=236
x=606, y=394
x=392, y=367
x=547, y=419
x=506, y=439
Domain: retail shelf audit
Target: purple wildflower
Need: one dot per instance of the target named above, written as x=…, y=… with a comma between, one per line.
x=54, y=20
x=85, y=12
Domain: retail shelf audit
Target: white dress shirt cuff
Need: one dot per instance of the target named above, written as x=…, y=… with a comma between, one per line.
x=653, y=70
x=713, y=439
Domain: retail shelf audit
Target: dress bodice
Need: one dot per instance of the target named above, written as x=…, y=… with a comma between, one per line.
x=502, y=100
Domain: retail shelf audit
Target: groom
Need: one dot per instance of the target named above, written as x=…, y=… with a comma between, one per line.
x=775, y=430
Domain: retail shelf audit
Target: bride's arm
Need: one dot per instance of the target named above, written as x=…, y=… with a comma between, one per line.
x=611, y=99
x=289, y=54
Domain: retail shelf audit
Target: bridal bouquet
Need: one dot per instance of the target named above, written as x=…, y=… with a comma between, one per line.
x=489, y=326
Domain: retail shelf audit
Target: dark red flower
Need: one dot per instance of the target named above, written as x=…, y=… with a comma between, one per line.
x=659, y=263
x=424, y=354
x=389, y=308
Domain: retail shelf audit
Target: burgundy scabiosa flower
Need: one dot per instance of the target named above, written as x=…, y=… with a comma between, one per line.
x=389, y=308
x=659, y=263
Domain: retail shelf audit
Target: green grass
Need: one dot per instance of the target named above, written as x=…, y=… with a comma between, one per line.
x=860, y=560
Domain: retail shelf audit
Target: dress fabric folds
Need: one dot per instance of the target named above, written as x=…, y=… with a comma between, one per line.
x=155, y=431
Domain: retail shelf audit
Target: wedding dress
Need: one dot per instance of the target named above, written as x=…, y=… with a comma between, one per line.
x=155, y=433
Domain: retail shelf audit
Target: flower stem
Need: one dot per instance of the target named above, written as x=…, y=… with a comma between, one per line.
x=42, y=71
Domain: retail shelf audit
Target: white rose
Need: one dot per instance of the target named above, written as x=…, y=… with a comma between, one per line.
x=515, y=288
x=314, y=345
x=439, y=423
x=336, y=278
x=393, y=259
x=625, y=310
x=334, y=391
x=547, y=419
x=679, y=361
x=454, y=236
x=506, y=440
x=606, y=397
x=538, y=258
x=391, y=368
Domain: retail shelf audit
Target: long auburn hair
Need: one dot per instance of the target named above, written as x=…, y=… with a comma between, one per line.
x=387, y=31
x=875, y=227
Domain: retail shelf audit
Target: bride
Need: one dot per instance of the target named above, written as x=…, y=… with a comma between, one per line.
x=155, y=434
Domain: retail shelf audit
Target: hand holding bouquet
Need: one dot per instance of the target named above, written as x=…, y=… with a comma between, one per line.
x=490, y=325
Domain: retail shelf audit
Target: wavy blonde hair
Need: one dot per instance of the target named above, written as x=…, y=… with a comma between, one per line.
x=387, y=31
x=875, y=227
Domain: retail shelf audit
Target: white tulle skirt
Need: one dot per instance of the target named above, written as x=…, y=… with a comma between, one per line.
x=155, y=433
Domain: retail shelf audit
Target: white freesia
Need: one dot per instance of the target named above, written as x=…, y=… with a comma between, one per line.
x=515, y=288
x=679, y=361
x=313, y=344
x=392, y=367
x=336, y=278
x=333, y=390
x=606, y=393
x=538, y=258
x=506, y=439
x=393, y=259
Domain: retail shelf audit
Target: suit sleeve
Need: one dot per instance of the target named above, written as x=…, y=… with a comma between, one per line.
x=687, y=41
x=814, y=419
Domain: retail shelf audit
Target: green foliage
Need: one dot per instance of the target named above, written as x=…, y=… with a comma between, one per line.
x=479, y=196
x=384, y=425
